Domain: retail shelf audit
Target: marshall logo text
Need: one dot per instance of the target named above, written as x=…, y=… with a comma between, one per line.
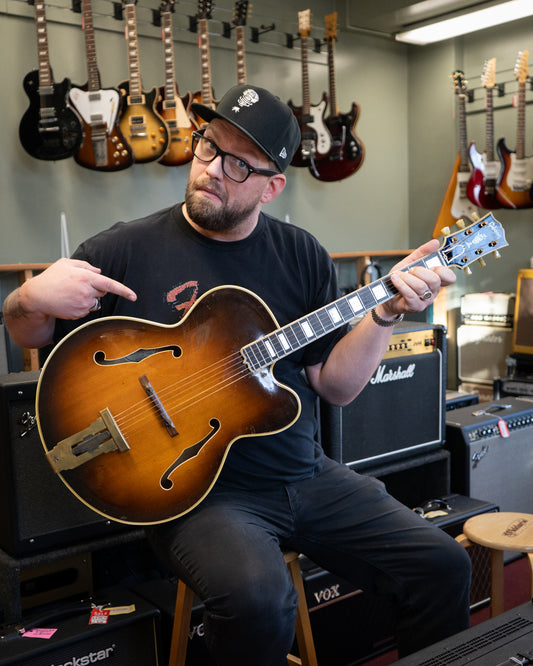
x=382, y=377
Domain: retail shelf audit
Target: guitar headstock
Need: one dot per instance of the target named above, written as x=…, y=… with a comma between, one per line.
x=459, y=82
x=331, y=26
x=205, y=9
x=167, y=6
x=240, y=12
x=521, y=69
x=304, y=23
x=488, y=78
x=472, y=243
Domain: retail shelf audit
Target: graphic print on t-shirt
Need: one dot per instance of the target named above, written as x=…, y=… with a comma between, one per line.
x=183, y=297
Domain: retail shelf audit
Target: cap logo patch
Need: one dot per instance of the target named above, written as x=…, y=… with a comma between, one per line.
x=283, y=152
x=248, y=98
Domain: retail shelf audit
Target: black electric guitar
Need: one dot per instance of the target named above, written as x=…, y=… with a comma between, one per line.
x=205, y=95
x=316, y=139
x=104, y=148
x=145, y=130
x=137, y=417
x=49, y=129
x=240, y=13
x=347, y=151
x=175, y=110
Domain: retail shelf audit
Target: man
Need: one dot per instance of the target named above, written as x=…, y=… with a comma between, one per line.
x=278, y=489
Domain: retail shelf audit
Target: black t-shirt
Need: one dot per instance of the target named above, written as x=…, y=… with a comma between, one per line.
x=169, y=266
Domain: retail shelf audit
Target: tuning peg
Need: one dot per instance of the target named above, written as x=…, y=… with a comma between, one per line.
x=467, y=270
x=461, y=223
x=446, y=231
x=475, y=216
x=482, y=263
x=496, y=254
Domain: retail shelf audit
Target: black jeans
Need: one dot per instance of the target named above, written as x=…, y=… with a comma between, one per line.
x=227, y=550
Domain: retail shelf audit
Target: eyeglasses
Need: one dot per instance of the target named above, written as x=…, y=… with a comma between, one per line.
x=235, y=168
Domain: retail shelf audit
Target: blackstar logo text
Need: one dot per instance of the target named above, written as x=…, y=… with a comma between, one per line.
x=383, y=375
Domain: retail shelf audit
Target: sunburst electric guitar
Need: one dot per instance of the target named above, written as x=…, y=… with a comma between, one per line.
x=175, y=110
x=137, y=418
x=240, y=13
x=145, y=130
x=206, y=94
x=104, y=148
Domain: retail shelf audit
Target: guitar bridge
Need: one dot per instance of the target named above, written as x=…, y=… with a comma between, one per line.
x=102, y=436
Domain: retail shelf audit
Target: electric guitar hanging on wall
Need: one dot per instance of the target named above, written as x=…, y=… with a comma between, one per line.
x=481, y=187
x=205, y=95
x=456, y=204
x=137, y=417
x=49, y=129
x=104, y=148
x=175, y=110
x=316, y=140
x=240, y=13
x=347, y=151
x=514, y=186
x=144, y=129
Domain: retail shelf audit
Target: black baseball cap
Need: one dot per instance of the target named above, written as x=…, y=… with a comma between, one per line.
x=262, y=116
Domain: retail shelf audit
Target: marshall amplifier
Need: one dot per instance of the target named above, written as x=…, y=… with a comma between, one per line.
x=38, y=511
x=401, y=410
x=491, y=452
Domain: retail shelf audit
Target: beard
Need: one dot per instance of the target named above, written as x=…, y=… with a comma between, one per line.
x=212, y=216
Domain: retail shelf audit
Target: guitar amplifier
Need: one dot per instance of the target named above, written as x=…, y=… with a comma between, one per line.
x=490, y=445
x=401, y=410
x=488, y=309
x=482, y=352
x=38, y=511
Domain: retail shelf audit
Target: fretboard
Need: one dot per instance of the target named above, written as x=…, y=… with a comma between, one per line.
x=334, y=111
x=463, y=147
x=205, y=63
x=133, y=54
x=306, y=103
x=241, y=55
x=521, y=122
x=489, y=125
x=170, y=76
x=45, y=75
x=284, y=341
x=93, y=76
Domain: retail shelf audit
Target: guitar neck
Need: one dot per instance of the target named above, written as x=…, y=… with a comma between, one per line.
x=135, y=87
x=45, y=74
x=241, y=55
x=463, y=147
x=93, y=78
x=331, y=78
x=205, y=62
x=170, y=76
x=283, y=341
x=521, y=122
x=306, y=98
x=489, y=125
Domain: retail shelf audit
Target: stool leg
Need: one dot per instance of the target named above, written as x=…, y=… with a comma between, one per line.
x=181, y=625
x=496, y=582
x=304, y=634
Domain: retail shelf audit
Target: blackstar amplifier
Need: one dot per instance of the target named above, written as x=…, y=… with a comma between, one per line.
x=38, y=511
x=401, y=410
x=491, y=452
x=126, y=639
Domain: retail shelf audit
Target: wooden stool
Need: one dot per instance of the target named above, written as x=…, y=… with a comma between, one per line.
x=304, y=635
x=500, y=531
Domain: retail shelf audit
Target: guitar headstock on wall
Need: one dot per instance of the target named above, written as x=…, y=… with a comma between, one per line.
x=240, y=12
x=167, y=6
x=331, y=27
x=488, y=78
x=205, y=9
x=459, y=82
x=521, y=69
x=304, y=23
x=472, y=243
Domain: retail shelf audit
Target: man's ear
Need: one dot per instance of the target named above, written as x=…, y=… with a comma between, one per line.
x=274, y=188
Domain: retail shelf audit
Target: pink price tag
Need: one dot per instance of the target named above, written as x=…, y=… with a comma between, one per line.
x=39, y=633
x=503, y=428
x=99, y=616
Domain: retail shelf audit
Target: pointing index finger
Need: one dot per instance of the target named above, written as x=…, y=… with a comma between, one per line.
x=108, y=285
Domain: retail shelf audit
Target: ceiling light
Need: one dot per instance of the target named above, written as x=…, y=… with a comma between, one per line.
x=461, y=25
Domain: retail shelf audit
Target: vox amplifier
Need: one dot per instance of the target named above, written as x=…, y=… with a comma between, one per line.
x=401, y=410
x=490, y=445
